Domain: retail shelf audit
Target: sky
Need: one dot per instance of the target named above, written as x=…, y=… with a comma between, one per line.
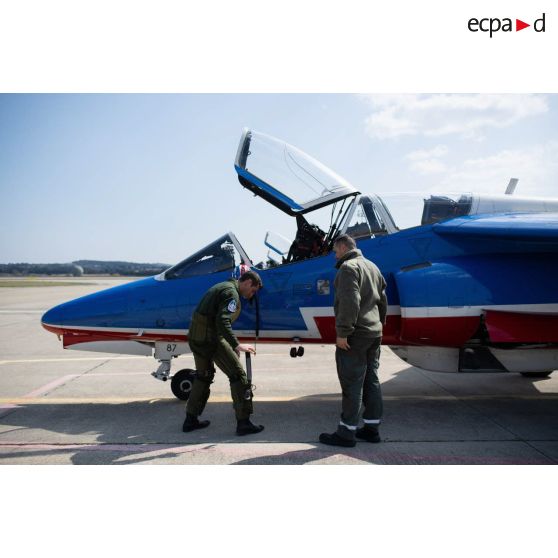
x=150, y=177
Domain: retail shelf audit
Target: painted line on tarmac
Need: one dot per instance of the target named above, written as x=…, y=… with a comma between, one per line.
x=6, y=409
x=35, y=398
x=43, y=390
x=301, y=453
x=7, y=406
x=85, y=359
x=17, y=311
x=17, y=401
x=105, y=447
x=23, y=361
x=82, y=359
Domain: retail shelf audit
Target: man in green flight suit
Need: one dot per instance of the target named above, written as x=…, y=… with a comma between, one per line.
x=360, y=308
x=212, y=340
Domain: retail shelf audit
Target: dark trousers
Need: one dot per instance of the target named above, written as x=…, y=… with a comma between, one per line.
x=357, y=370
x=222, y=354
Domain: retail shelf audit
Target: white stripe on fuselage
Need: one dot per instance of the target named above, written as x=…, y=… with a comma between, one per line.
x=466, y=311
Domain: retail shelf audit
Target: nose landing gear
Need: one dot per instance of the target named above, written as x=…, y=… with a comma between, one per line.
x=294, y=352
x=182, y=382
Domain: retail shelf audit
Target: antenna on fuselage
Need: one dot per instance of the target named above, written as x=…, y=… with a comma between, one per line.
x=511, y=186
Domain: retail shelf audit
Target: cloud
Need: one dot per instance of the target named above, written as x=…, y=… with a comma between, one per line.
x=429, y=166
x=427, y=161
x=536, y=167
x=422, y=154
x=468, y=116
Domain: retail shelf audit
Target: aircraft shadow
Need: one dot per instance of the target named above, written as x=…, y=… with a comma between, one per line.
x=422, y=410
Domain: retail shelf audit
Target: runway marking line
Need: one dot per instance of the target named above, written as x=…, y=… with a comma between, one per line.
x=38, y=400
x=79, y=359
x=27, y=361
x=22, y=311
x=307, y=452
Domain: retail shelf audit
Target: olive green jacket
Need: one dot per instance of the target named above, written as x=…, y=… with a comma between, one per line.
x=215, y=314
x=360, y=299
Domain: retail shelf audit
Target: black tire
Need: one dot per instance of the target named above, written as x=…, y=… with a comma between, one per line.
x=182, y=382
x=537, y=374
x=300, y=352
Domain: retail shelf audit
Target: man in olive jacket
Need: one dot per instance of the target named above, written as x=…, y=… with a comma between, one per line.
x=213, y=341
x=360, y=311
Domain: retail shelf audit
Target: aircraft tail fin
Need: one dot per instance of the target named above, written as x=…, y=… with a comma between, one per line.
x=511, y=186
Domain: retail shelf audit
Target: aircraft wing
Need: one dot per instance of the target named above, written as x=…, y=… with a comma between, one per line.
x=512, y=226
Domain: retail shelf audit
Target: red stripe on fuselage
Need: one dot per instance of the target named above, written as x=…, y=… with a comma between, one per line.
x=438, y=331
x=326, y=327
x=74, y=336
x=515, y=327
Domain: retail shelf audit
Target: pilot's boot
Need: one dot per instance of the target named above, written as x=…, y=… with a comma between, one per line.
x=245, y=426
x=369, y=434
x=193, y=423
x=336, y=440
x=343, y=437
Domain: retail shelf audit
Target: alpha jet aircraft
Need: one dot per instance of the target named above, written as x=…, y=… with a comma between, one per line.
x=471, y=278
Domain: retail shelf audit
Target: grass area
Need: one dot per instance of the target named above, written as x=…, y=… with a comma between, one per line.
x=40, y=283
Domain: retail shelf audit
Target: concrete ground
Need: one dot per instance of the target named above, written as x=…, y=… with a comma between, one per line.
x=70, y=407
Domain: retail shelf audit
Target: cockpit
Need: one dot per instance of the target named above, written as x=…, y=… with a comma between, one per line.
x=326, y=205
x=224, y=254
x=361, y=216
x=304, y=188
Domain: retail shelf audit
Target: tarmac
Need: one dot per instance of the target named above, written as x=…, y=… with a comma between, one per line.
x=75, y=407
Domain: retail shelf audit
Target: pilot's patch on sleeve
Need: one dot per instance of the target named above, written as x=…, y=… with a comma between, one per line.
x=232, y=306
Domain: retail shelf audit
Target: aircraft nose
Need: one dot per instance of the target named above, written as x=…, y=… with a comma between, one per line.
x=73, y=312
x=54, y=316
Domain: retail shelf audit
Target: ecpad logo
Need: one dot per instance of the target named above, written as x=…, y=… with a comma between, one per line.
x=493, y=25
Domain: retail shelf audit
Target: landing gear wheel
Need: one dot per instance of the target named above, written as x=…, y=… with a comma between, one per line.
x=182, y=382
x=536, y=374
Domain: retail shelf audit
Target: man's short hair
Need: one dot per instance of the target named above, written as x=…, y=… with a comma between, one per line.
x=347, y=240
x=253, y=277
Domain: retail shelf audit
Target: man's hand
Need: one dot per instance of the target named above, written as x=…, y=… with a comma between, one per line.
x=342, y=343
x=245, y=349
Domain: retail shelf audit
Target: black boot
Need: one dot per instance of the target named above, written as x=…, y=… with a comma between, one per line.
x=244, y=426
x=192, y=423
x=336, y=440
x=369, y=434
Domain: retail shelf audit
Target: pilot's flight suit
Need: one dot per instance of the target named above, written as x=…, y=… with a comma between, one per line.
x=212, y=340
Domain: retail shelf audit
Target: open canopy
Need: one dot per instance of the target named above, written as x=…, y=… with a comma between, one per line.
x=285, y=176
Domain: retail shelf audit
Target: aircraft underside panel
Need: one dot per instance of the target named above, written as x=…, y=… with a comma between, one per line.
x=447, y=359
x=114, y=347
x=528, y=359
x=438, y=359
